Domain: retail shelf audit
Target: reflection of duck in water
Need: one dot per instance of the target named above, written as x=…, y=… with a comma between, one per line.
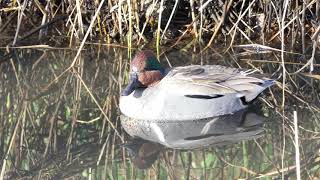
x=157, y=135
x=142, y=153
x=191, y=134
x=187, y=93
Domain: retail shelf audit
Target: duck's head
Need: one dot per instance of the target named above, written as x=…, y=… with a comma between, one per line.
x=145, y=70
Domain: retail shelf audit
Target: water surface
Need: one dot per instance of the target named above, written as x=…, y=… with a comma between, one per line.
x=60, y=124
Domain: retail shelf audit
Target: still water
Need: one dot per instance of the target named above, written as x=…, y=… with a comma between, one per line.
x=60, y=121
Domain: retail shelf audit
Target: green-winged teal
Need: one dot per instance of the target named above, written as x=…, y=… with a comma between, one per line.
x=188, y=92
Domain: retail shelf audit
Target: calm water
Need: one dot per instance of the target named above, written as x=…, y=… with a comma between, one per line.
x=58, y=124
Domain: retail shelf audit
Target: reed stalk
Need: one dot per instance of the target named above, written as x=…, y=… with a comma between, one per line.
x=159, y=28
x=303, y=18
x=296, y=142
x=284, y=13
x=201, y=22
x=129, y=36
x=44, y=18
x=120, y=17
x=20, y=17
x=170, y=18
x=79, y=17
x=194, y=21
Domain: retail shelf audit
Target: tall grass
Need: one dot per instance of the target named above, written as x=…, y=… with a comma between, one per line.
x=119, y=20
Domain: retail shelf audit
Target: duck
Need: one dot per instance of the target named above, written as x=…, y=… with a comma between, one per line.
x=188, y=92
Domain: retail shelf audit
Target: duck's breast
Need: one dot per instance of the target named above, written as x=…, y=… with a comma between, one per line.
x=167, y=104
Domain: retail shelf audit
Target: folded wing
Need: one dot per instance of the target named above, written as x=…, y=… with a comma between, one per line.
x=214, y=81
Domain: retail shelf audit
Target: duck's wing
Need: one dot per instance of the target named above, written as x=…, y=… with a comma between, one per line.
x=214, y=81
